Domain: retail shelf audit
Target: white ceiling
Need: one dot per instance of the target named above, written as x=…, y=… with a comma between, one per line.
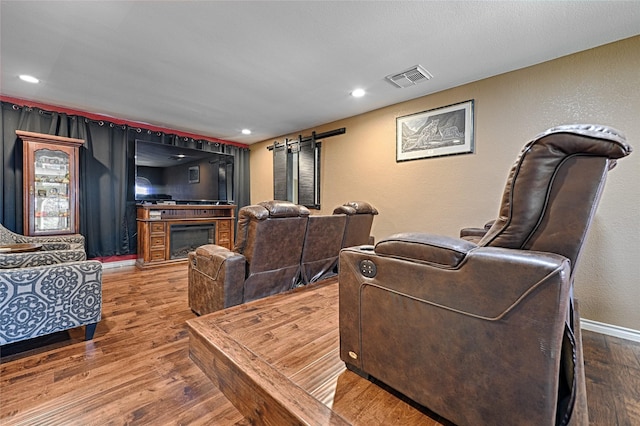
x=277, y=67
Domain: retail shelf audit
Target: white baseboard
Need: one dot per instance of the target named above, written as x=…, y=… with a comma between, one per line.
x=118, y=264
x=610, y=330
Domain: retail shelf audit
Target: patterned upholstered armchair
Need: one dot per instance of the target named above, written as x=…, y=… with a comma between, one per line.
x=51, y=242
x=47, y=291
x=40, y=258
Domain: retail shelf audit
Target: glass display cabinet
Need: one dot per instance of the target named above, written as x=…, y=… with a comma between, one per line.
x=50, y=193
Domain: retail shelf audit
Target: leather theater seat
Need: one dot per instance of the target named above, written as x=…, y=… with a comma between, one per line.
x=487, y=332
x=264, y=261
x=279, y=246
x=359, y=221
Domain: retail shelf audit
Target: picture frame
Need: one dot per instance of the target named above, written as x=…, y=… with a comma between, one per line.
x=194, y=174
x=438, y=132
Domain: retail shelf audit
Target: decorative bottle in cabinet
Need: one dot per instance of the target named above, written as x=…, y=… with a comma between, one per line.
x=50, y=193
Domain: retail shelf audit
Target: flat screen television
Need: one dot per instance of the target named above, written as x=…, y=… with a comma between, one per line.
x=186, y=176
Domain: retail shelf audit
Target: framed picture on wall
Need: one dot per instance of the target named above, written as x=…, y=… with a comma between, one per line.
x=434, y=133
x=194, y=174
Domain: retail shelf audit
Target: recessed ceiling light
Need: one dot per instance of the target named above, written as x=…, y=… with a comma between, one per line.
x=28, y=78
x=358, y=93
x=246, y=131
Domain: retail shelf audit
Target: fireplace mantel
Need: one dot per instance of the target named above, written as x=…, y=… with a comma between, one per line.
x=155, y=223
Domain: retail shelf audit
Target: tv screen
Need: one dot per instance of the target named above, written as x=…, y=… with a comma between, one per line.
x=183, y=175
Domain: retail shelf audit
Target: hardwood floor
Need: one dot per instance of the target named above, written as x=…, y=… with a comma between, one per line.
x=137, y=369
x=284, y=352
x=612, y=367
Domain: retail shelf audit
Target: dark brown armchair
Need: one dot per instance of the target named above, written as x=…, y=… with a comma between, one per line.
x=322, y=244
x=349, y=225
x=264, y=261
x=359, y=221
x=487, y=332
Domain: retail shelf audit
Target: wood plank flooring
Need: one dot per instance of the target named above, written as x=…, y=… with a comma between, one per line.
x=284, y=352
x=137, y=369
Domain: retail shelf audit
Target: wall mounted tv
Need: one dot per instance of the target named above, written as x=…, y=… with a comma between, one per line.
x=186, y=176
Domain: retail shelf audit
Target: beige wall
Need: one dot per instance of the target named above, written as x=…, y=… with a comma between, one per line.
x=442, y=195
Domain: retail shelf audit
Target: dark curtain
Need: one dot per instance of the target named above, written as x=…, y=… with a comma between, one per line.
x=110, y=223
x=11, y=176
x=241, y=176
x=104, y=217
x=107, y=174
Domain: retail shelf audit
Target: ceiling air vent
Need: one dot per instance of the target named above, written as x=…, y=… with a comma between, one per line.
x=410, y=77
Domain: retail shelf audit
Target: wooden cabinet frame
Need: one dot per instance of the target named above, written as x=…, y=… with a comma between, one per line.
x=42, y=185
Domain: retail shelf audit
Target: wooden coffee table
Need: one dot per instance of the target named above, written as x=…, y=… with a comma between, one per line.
x=19, y=248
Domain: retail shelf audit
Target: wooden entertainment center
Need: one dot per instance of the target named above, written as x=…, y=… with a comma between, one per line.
x=161, y=226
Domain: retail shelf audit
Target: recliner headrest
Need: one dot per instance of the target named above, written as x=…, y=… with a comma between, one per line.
x=613, y=144
x=263, y=211
x=535, y=170
x=278, y=208
x=355, y=207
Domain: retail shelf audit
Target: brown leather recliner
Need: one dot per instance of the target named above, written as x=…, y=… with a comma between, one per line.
x=322, y=244
x=349, y=225
x=359, y=221
x=264, y=261
x=487, y=333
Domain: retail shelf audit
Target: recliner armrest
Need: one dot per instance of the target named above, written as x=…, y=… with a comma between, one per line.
x=422, y=247
x=211, y=259
x=472, y=232
x=475, y=234
x=487, y=282
x=216, y=278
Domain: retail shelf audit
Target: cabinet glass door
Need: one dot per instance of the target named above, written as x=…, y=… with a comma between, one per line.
x=50, y=196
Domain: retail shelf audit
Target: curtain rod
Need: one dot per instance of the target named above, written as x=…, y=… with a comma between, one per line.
x=314, y=137
x=115, y=120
